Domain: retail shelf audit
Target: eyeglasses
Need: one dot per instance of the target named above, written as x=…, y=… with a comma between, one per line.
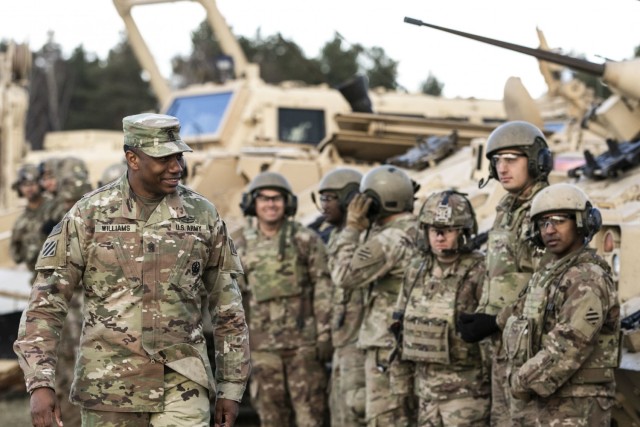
x=553, y=220
x=445, y=231
x=275, y=199
x=506, y=158
x=326, y=198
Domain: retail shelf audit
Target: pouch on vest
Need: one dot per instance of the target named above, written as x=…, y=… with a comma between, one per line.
x=426, y=341
x=517, y=340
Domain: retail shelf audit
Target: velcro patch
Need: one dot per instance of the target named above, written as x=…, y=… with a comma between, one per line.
x=49, y=248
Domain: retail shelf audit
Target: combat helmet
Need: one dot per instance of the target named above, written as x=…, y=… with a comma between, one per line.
x=565, y=198
x=391, y=190
x=27, y=173
x=112, y=173
x=449, y=209
x=273, y=181
x=527, y=138
x=344, y=182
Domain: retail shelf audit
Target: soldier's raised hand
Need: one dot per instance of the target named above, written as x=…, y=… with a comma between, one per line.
x=357, y=212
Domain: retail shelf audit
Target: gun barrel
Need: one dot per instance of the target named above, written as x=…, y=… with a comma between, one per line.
x=545, y=55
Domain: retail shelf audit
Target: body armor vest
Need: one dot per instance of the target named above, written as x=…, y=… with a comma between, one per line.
x=509, y=263
x=274, y=273
x=429, y=320
x=524, y=335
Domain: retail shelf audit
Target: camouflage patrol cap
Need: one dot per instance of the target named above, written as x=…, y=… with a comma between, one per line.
x=156, y=135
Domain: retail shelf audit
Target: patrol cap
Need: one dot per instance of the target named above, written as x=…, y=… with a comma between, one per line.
x=156, y=135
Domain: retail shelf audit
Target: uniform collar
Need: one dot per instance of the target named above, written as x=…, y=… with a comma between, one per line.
x=170, y=206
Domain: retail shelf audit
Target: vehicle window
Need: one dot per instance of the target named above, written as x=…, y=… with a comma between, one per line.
x=200, y=114
x=301, y=126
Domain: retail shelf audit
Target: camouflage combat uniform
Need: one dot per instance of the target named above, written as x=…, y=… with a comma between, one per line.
x=564, y=346
x=377, y=267
x=347, y=395
x=145, y=284
x=451, y=380
x=287, y=292
x=27, y=235
x=510, y=262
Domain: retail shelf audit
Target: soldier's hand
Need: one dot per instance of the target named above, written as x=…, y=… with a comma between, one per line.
x=324, y=350
x=474, y=327
x=226, y=412
x=357, y=212
x=45, y=408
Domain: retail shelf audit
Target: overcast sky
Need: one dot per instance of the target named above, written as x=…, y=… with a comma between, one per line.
x=467, y=68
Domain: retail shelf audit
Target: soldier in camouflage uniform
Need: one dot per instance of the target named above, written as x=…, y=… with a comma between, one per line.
x=377, y=267
x=520, y=160
x=72, y=186
x=149, y=254
x=72, y=176
x=450, y=380
x=563, y=345
x=287, y=292
x=48, y=176
x=27, y=235
x=347, y=392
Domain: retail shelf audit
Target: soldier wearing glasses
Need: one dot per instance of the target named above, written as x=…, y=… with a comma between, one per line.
x=347, y=392
x=520, y=160
x=450, y=380
x=563, y=345
x=287, y=292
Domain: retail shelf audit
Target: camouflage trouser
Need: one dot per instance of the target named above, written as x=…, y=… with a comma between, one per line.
x=574, y=412
x=347, y=398
x=389, y=395
x=464, y=411
x=500, y=402
x=186, y=404
x=67, y=350
x=288, y=387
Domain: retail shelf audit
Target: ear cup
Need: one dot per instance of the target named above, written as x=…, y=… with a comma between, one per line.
x=344, y=201
x=540, y=159
x=592, y=220
x=291, y=206
x=248, y=204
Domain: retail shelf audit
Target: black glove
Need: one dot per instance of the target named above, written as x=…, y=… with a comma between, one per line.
x=474, y=327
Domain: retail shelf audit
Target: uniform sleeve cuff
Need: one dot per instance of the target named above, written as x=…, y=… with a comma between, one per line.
x=34, y=383
x=231, y=391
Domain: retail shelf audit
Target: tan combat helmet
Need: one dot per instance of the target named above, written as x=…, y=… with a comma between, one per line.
x=391, y=190
x=525, y=137
x=269, y=180
x=27, y=173
x=112, y=172
x=344, y=182
x=565, y=198
x=449, y=209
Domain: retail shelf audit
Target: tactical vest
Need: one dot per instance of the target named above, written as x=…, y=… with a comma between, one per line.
x=429, y=321
x=524, y=335
x=274, y=274
x=509, y=266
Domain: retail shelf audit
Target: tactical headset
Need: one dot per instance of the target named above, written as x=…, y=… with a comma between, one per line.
x=588, y=222
x=465, y=237
x=248, y=203
x=539, y=160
